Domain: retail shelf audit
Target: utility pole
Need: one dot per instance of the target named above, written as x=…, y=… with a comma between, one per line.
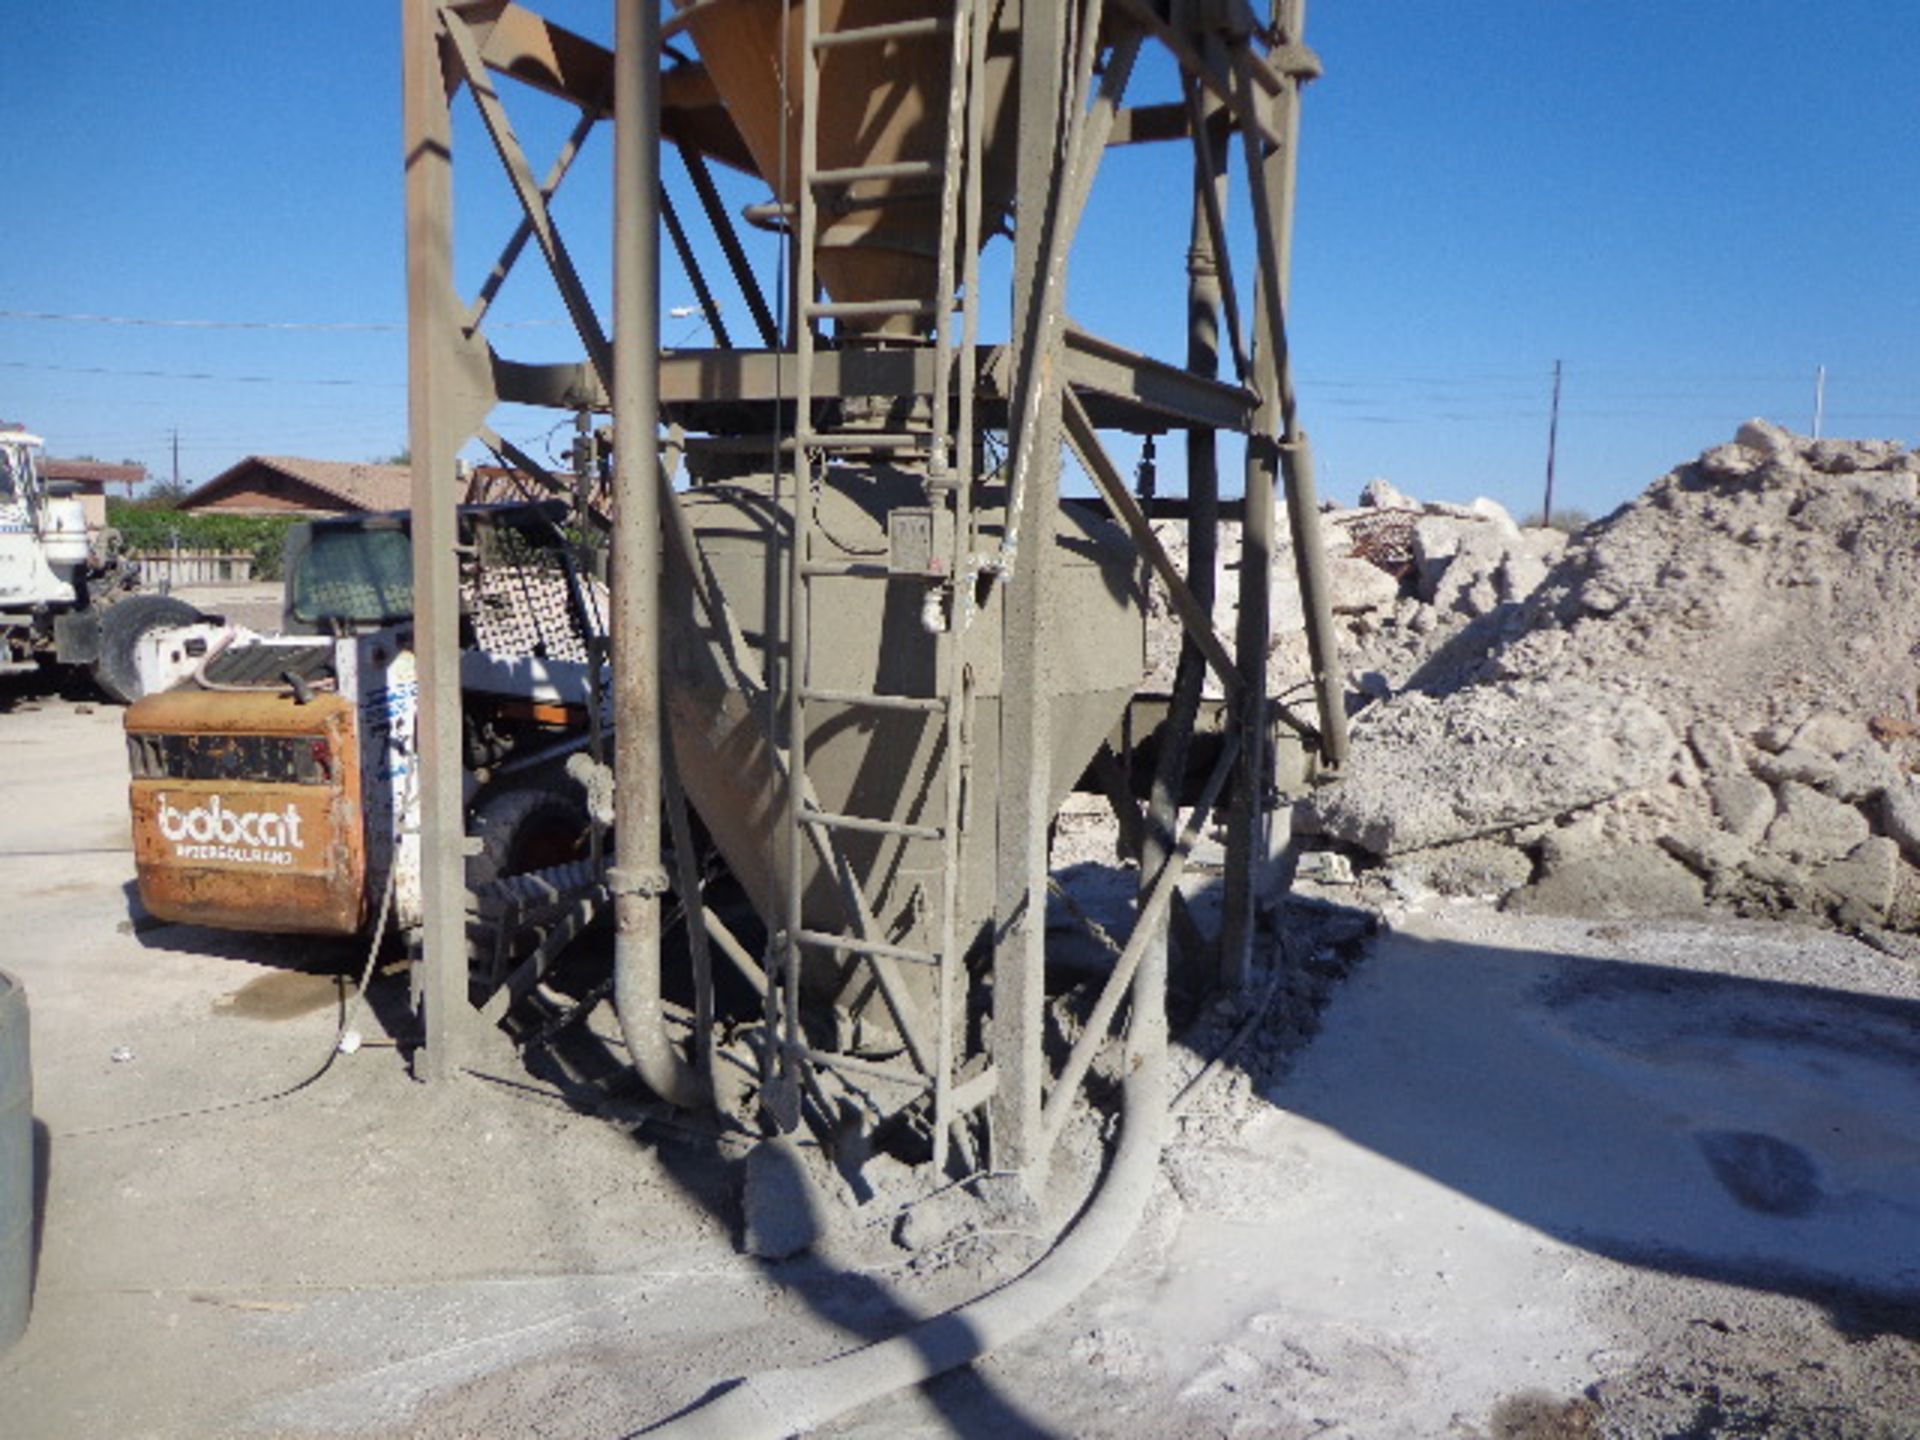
x=1819, y=398
x=1553, y=443
x=176, y=459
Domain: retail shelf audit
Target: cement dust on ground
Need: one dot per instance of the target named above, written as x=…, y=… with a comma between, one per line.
x=1530, y=1178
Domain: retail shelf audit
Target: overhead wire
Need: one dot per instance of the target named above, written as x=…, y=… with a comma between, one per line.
x=148, y=322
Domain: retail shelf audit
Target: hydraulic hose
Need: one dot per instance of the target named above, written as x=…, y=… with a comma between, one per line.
x=790, y=1401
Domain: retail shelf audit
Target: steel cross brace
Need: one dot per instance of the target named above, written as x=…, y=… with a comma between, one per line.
x=533, y=202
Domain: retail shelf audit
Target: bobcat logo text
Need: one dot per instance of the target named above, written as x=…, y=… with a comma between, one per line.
x=213, y=832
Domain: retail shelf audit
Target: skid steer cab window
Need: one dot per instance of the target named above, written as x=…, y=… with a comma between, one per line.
x=353, y=576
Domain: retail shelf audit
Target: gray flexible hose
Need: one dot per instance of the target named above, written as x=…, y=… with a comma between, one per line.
x=790, y=1401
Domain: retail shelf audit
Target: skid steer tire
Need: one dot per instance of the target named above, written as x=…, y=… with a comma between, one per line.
x=521, y=831
x=531, y=828
x=121, y=627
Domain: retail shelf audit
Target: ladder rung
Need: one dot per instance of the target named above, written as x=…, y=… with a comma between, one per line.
x=865, y=309
x=870, y=440
x=830, y=570
x=866, y=947
x=871, y=1069
x=887, y=170
x=930, y=704
x=969, y=1094
x=879, y=34
x=868, y=825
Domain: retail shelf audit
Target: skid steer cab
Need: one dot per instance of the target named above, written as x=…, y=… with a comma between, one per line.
x=274, y=788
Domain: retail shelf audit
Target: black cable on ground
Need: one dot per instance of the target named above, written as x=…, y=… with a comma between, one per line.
x=346, y=1040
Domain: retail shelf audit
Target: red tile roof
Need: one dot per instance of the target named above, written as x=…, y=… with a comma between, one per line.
x=355, y=486
x=94, y=472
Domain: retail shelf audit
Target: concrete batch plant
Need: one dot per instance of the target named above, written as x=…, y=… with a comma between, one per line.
x=860, y=647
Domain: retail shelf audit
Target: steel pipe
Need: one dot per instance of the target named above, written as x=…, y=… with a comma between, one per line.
x=637, y=878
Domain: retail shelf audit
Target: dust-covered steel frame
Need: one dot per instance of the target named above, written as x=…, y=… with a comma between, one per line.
x=1051, y=385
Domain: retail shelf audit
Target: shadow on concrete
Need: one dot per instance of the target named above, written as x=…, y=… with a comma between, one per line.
x=25, y=687
x=861, y=1307
x=328, y=955
x=1756, y=1133
x=594, y=1080
x=42, y=1177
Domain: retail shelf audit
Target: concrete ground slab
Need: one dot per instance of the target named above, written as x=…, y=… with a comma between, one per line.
x=1528, y=1168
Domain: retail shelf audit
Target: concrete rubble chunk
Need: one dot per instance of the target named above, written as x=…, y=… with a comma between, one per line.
x=1489, y=759
x=1846, y=457
x=1783, y=882
x=1583, y=835
x=1887, y=487
x=1861, y=886
x=1900, y=817
x=1766, y=438
x=1863, y=774
x=1890, y=729
x=1710, y=854
x=1733, y=461
x=1829, y=734
x=1354, y=586
x=1600, y=598
x=1495, y=514
x=1521, y=572
x=1381, y=494
x=1436, y=540
x=1743, y=805
x=1634, y=880
x=1473, y=867
x=1467, y=582
x=1812, y=828
x=1796, y=765
x=1716, y=747
x=1834, y=457
x=1325, y=867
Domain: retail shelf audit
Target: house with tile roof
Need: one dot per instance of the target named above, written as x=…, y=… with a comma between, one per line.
x=288, y=485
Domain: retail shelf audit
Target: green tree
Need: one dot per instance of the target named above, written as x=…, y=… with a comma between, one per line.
x=165, y=494
x=1569, y=520
x=149, y=528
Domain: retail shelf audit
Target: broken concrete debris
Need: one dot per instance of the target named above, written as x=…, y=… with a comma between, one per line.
x=1707, y=698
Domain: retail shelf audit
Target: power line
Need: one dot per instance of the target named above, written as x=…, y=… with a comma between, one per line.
x=147, y=322
x=194, y=375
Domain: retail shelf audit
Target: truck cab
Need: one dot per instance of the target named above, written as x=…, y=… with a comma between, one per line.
x=62, y=599
x=43, y=537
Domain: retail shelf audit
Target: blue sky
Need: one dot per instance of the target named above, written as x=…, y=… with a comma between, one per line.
x=1692, y=205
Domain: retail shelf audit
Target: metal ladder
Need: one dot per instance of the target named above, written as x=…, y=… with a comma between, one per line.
x=944, y=447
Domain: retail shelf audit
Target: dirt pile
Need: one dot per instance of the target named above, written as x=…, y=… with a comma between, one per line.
x=1404, y=578
x=1707, y=697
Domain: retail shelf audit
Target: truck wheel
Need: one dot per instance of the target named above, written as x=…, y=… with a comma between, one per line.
x=523, y=830
x=121, y=626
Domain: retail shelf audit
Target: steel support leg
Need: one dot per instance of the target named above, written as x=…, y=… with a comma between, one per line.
x=1203, y=523
x=440, y=985
x=1277, y=447
x=1026, y=740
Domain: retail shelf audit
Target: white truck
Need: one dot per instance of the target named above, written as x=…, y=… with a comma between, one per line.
x=63, y=601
